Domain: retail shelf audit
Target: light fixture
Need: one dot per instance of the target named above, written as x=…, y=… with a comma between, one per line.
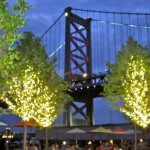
x=64, y=142
x=141, y=140
x=66, y=14
x=8, y=134
x=89, y=142
x=85, y=75
x=111, y=141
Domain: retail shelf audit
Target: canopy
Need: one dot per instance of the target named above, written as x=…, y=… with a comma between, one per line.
x=101, y=130
x=30, y=123
x=119, y=130
x=3, y=124
x=76, y=130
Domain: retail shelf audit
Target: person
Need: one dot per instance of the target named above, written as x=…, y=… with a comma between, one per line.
x=54, y=147
x=27, y=147
x=33, y=147
x=89, y=147
x=99, y=147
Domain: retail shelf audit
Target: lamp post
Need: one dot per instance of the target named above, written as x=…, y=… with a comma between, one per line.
x=7, y=135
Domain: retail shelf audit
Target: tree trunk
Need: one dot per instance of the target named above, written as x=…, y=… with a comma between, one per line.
x=25, y=135
x=135, y=136
x=46, y=138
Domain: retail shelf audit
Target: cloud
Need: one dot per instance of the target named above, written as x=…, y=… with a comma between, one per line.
x=44, y=13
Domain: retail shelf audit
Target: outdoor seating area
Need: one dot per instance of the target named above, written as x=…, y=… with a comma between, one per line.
x=109, y=136
x=90, y=137
x=74, y=137
x=81, y=145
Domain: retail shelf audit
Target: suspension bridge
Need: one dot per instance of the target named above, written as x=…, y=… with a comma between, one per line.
x=82, y=42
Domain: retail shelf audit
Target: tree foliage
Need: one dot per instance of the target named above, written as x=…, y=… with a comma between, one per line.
x=11, y=19
x=35, y=91
x=130, y=82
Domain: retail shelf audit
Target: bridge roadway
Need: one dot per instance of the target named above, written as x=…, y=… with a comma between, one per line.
x=87, y=87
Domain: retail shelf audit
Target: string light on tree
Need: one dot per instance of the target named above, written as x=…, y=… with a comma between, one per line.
x=129, y=82
x=136, y=87
x=30, y=98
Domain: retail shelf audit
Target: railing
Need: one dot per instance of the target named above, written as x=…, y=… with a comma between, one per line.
x=86, y=83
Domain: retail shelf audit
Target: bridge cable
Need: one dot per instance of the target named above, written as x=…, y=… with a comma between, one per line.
x=108, y=43
x=122, y=24
x=114, y=36
x=110, y=12
x=148, y=33
x=138, y=29
x=52, y=24
x=121, y=31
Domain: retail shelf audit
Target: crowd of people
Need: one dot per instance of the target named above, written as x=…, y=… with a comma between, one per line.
x=94, y=145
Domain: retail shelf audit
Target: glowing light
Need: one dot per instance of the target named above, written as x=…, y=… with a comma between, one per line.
x=85, y=75
x=64, y=142
x=66, y=14
x=89, y=142
x=31, y=98
x=141, y=140
x=57, y=49
x=111, y=141
x=121, y=24
x=136, y=88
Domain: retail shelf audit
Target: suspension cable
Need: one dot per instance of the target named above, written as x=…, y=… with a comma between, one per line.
x=122, y=24
x=111, y=12
x=53, y=24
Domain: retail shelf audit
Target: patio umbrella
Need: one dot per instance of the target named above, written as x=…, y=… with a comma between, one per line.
x=30, y=123
x=26, y=124
x=75, y=131
x=3, y=124
x=119, y=130
x=101, y=130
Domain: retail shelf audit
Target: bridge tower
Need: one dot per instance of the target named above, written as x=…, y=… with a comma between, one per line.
x=78, y=62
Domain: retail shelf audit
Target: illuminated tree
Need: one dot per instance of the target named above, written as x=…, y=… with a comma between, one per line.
x=48, y=89
x=130, y=82
x=137, y=99
x=11, y=20
x=31, y=98
x=34, y=90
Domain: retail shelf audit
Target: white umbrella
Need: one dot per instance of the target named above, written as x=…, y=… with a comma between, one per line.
x=3, y=124
x=76, y=130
